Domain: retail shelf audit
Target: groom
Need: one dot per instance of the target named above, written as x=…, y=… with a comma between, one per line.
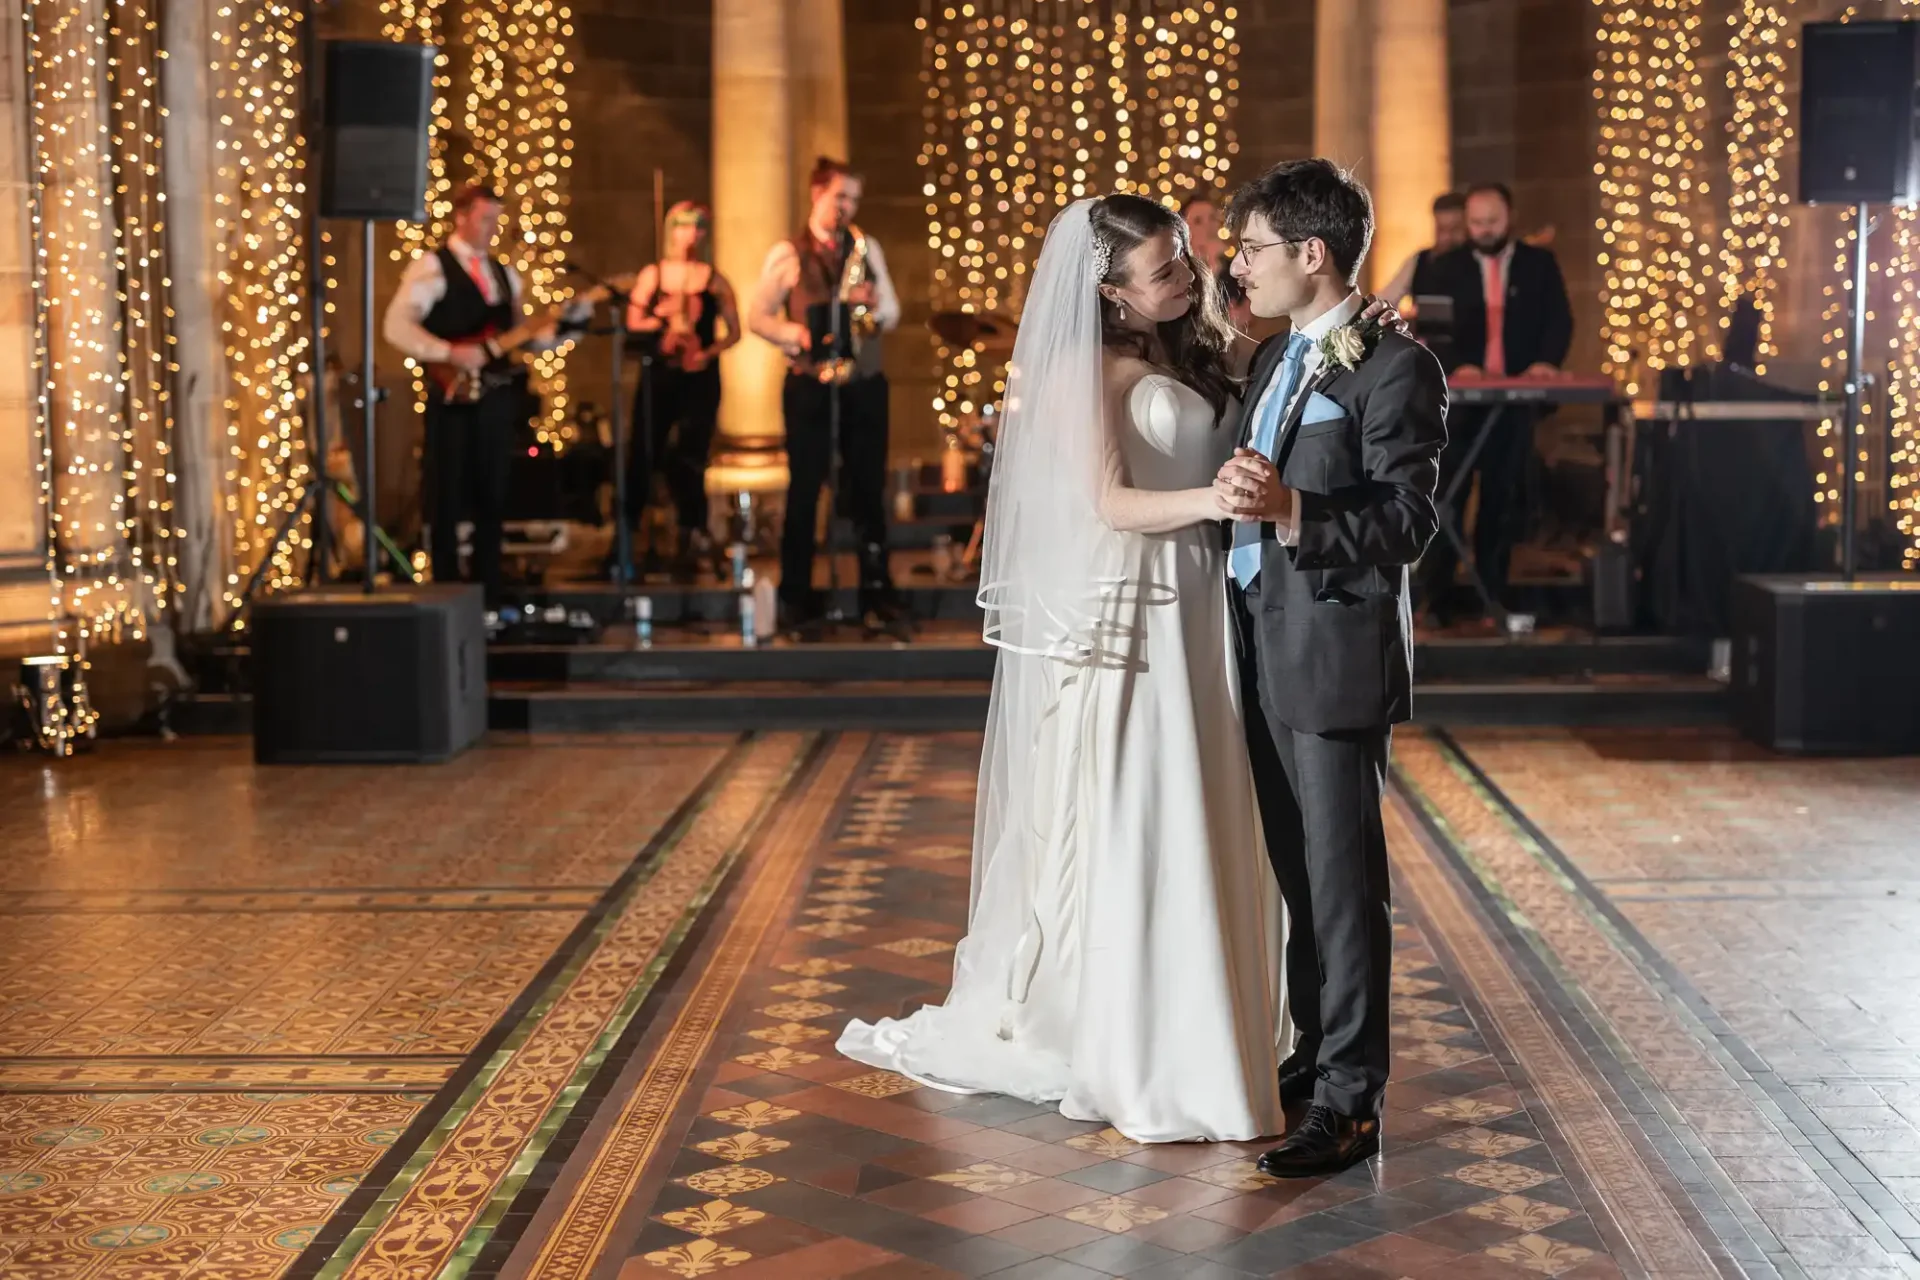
x=1341, y=431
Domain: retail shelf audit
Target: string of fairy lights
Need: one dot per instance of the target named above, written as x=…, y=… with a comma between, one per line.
x=102, y=337
x=1654, y=218
x=1034, y=103
x=1752, y=260
x=259, y=195
x=517, y=139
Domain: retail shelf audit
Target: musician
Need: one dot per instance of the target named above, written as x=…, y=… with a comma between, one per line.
x=1511, y=318
x=792, y=306
x=1206, y=228
x=687, y=307
x=450, y=305
x=1415, y=276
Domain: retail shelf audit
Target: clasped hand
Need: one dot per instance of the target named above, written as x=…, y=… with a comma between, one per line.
x=1248, y=490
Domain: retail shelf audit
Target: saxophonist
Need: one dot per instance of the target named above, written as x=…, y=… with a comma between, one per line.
x=792, y=307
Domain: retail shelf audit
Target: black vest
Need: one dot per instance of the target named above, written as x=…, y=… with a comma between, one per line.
x=811, y=302
x=463, y=312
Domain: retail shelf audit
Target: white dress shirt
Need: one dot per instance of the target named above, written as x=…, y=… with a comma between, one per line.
x=424, y=284
x=1288, y=530
x=782, y=271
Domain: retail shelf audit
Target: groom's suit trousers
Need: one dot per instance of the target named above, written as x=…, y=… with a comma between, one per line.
x=1320, y=796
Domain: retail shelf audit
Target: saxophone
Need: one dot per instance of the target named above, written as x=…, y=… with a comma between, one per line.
x=861, y=322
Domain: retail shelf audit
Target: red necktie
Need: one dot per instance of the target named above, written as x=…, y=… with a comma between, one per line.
x=1493, y=284
x=478, y=270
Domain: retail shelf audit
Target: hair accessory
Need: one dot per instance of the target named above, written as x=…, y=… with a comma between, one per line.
x=1102, y=259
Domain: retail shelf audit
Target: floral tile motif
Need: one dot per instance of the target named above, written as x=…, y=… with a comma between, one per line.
x=1115, y=1214
x=789, y=1033
x=798, y=1010
x=712, y=1218
x=852, y=880
x=1108, y=1143
x=1236, y=1175
x=732, y=1180
x=856, y=865
x=845, y=896
x=742, y=1146
x=832, y=929
x=1500, y=1175
x=838, y=911
x=778, y=1059
x=1405, y=986
x=814, y=967
x=1422, y=1029
x=1485, y=1142
x=809, y=988
x=1440, y=1055
x=986, y=1176
x=943, y=852
x=753, y=1115
x=916, y=947
x=1419, y=1007
x=698, y=1258
x=1538, y=1253
x=1520, y=1213
x=1470, y=1110
x=877, y=1084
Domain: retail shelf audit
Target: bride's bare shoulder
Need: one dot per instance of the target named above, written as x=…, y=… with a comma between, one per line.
x=1121, y=373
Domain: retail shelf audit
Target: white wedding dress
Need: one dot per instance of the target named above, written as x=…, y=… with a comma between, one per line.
x=1127, y=965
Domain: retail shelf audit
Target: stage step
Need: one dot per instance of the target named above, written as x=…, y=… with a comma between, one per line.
x=643, y=705
x=954, y=653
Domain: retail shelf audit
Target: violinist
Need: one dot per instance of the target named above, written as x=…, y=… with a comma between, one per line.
x=687, y=308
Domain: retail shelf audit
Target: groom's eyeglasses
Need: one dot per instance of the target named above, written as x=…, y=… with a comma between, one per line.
x=1251, y=249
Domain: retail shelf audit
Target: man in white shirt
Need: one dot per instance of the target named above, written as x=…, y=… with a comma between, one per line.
x=450, y=306
x=792, y=308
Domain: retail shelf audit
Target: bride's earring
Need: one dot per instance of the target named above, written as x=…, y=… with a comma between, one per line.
x=1123, y=311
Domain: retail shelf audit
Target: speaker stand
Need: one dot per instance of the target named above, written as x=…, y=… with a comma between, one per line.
x=370, y=398
x=1855, y=427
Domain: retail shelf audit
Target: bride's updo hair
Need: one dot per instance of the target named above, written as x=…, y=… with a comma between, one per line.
x=1198, y=345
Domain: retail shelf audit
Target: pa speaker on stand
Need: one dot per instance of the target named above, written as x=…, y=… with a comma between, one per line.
x=379, y=104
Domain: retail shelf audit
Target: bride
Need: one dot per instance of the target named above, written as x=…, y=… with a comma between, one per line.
x=1123, y=949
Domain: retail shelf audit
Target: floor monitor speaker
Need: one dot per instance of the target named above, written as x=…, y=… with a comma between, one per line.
x=1822, y=665
x=342, y=676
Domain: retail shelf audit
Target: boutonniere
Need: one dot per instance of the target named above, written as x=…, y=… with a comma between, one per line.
x=1344, y=348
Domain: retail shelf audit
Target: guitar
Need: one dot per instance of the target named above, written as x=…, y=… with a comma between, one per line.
x=467, y=386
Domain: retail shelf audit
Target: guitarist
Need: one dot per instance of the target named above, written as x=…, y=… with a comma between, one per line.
x=450, y=303
x=686, y=308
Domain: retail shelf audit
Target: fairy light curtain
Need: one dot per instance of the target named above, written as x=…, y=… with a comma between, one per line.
x=259, y=193
x=102, y=342
x=1034, y=103
x=515, y=136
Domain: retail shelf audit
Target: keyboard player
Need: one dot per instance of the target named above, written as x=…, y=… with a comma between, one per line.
x=1511, y=317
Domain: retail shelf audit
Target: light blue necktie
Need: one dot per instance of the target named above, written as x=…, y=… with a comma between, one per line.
x=1244, y=560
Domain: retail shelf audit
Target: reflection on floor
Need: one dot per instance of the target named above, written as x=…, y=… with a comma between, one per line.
x=565, y=1009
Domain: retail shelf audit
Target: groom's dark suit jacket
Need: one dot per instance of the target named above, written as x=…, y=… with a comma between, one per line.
x=1334, y=627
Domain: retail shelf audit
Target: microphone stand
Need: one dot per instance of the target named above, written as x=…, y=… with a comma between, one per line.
x=618, y=300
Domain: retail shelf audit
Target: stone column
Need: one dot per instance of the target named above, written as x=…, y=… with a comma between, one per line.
x=24, y=592
x=817, y=46
x=1411, y=153
x=200, y=386
x=752, y=210
x=1342, y=82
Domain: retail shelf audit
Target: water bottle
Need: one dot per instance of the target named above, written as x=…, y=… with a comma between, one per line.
x=740, y=570
x=749, y=633
x=766, y=609
x=643, y=621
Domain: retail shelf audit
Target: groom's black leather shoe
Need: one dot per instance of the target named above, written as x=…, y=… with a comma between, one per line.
x=1326, y=1142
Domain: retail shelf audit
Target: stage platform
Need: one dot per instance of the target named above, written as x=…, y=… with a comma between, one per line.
x=699, y=676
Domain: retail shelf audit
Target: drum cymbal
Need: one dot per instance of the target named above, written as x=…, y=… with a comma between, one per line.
x=969, y=329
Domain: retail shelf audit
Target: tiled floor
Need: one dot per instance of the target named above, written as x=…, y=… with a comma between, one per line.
x=565, y=1010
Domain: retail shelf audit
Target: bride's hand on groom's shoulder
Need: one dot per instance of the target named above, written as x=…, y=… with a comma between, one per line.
x=1380, y=309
